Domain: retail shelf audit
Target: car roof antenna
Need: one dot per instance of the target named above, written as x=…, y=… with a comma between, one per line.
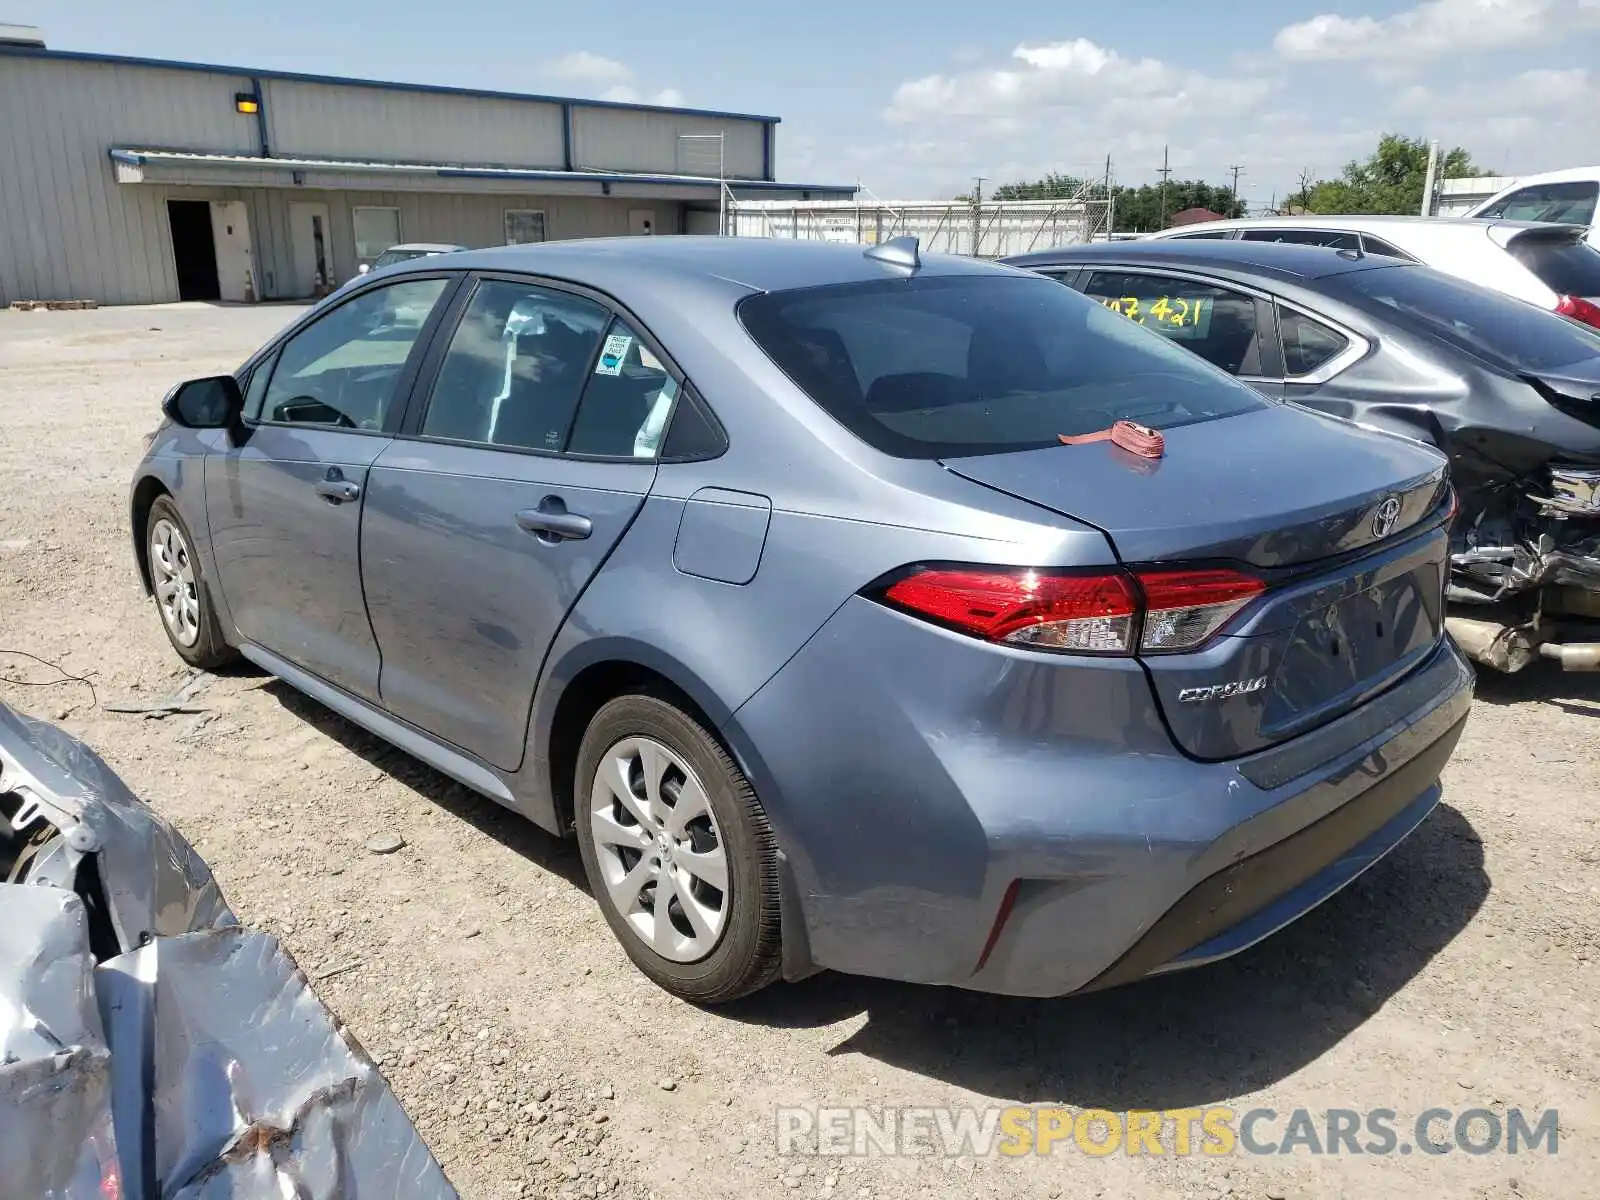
x=897, y=252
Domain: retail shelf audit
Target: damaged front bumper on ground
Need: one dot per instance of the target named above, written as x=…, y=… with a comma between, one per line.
x=149, y=1045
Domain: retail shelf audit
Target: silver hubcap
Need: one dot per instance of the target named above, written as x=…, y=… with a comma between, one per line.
x=177, y=595
x=660, y=852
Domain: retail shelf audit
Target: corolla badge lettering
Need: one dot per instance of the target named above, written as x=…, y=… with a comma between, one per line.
x=1223, y=691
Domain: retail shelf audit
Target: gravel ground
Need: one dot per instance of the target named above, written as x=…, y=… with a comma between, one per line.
x=1459, y=973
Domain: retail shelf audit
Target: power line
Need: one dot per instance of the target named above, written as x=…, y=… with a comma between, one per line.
x=1237, y=171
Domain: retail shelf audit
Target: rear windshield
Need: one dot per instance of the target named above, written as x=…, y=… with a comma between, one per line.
x=389, y=257
x=1496, y=328
x=1568, y=266
x=938, y=366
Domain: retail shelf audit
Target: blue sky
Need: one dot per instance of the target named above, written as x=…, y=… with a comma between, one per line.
x=915, y=98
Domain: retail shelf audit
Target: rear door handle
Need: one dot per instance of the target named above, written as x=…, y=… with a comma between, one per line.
x=553, y=523
x=337, y=491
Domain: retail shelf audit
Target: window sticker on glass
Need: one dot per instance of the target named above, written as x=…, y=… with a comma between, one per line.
x=1179, y=317
x=613, y=354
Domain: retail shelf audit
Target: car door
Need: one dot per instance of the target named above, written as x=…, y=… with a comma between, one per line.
x=529, y=455
x=1228, y=327
x=284, y=504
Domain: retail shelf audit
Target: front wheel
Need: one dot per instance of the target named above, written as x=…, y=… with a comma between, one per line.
x=678, y=852
x=181, y=597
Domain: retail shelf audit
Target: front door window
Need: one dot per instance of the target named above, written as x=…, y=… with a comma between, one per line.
x=343, y=370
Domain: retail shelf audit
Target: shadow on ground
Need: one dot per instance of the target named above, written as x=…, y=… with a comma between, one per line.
x=1174, y=1042
x=521, y=836
x=1543, y=682
x=1183, y=1040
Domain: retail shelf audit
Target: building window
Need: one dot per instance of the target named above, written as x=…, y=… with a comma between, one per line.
x=524, y=225
x=376, y=230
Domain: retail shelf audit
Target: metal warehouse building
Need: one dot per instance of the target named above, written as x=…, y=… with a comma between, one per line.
x=128, y=180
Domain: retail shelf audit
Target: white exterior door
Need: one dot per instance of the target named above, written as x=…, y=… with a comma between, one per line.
x=230, y=230
x=310, y=236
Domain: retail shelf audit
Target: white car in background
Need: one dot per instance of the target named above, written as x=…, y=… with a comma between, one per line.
x=1570, y=197
x=1551, y=266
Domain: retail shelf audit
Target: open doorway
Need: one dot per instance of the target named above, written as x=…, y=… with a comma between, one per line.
x=194, y=249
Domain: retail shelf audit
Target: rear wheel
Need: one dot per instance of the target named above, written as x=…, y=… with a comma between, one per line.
x=187, y=613
x=678, y=852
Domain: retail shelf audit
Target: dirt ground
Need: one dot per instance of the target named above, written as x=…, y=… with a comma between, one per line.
x=1459, y=973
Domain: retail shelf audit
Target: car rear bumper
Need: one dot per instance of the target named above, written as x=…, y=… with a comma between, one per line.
x=926, y=789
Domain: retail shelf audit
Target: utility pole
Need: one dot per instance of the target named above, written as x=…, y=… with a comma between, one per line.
x=977, y=213
x=1237, y=171
x=1427, y=185
x=1166, y=170
x=1111, y=203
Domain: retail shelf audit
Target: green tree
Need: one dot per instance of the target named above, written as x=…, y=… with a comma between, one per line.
x=1390, y=180
x=1051, y=187
x=1140, y=209
x=1136, y=208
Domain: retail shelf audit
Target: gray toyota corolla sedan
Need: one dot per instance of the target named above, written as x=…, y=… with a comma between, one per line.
x=765, y=569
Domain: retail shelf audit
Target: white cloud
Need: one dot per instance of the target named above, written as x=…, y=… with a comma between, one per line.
x=1536, y=92
x=1068, y=74
x=1437, y=29
x=1516, y=125
x=584, y=67
x=614, y=79
x=1055, y=106
x=625, y=93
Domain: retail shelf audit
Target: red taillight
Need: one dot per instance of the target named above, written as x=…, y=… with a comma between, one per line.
x=1576, y=308
x=1088, y=613
x=1184, y=608
x=1158, y=611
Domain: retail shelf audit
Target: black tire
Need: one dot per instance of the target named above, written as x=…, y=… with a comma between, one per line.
x=209, y=649
x=747, y=954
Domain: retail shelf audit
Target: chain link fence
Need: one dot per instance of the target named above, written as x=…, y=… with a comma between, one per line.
x=985, y=229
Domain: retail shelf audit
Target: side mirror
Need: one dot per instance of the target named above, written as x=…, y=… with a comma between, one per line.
x=214, y=403
x=363, y=269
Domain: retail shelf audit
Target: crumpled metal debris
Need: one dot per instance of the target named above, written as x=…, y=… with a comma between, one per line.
x=154, y=884
x=192, y=1060
x=55, y=1067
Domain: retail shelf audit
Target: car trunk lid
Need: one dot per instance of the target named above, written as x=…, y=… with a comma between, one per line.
x=1343, y=524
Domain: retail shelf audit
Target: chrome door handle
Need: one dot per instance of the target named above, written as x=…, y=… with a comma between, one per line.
x=337, y=491
x=553, y=523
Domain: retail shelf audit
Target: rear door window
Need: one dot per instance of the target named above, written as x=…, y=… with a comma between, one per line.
x=955, y=365
x=1568, y=266
x=1308, y=344
x=1334, y=239
x=1373, y=245
x=627, y=401
x=1217, y=324
x=517, y=363
x=1570, y=203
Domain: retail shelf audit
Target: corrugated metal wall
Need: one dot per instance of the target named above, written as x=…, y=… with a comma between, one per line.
x=614, y=139
x=68, y=230
x=326, y=121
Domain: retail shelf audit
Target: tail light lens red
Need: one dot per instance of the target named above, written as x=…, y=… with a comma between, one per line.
x=1110, y=612
x=1183, y=609
x=1577, y=308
